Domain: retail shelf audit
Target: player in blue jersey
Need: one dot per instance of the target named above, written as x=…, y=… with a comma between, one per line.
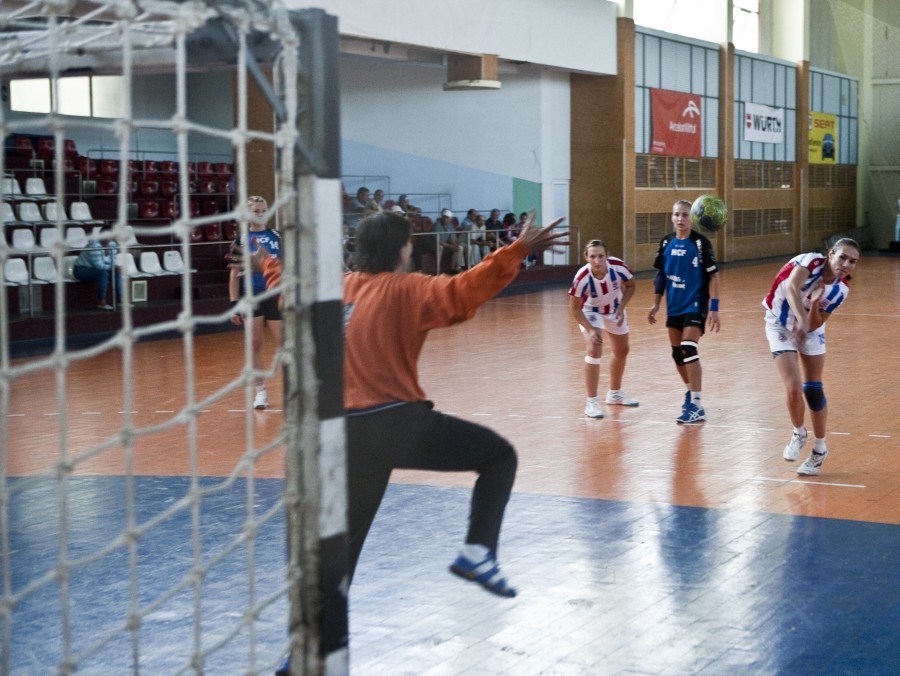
x=806, y=290
x=266, y=311
x=688, y=275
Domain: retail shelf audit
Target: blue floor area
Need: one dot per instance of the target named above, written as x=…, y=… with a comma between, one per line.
x=604, y=587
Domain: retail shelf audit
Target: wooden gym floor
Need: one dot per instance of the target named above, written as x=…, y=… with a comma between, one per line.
x=638, y=546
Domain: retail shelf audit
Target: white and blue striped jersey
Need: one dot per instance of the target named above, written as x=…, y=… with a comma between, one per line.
x=601, y=295
x=778, y=311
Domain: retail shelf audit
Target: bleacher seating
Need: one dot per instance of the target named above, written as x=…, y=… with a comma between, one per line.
x=15, y=272
x=43, y=270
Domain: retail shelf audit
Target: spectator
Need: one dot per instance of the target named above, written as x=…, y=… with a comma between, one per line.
x=531, y=261
x=494, y=226
x=451, y=250
x=358, y=209
x=96, y=264
x=408, y=208
x=469, y=221
x=478, y=244
x=508, y=233
x=376, y=202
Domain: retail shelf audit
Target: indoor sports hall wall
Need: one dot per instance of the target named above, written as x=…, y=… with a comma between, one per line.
x=473, y=145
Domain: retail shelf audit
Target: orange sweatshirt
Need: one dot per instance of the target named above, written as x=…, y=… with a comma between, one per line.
x=388, y=315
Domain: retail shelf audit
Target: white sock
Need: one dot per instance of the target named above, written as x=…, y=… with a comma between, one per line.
x=800, y=431
x=596, y=399
x=819, y=446
x=475, y=552
x=695, y=398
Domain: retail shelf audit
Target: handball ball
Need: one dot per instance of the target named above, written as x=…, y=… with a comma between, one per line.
x=709, y=212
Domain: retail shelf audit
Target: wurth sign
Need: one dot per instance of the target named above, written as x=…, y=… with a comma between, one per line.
x=763, y=124
x=677, y=123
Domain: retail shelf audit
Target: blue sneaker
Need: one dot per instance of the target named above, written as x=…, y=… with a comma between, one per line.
x=486, y=573
x=687, y=401
x=691, y=414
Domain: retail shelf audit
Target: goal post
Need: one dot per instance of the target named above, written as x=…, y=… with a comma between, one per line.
x=222, y=587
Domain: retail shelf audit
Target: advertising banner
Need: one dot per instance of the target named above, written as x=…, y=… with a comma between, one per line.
x=823, y=138
x=763, y=124
x=676, y=124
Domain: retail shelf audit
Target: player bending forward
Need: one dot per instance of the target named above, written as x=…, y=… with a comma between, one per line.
x=597, y=299
x=388, y=313
x=806, y=290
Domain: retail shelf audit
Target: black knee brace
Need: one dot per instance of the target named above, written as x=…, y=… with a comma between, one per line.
x=815, y=395
x=678, y=355
x=689, y=351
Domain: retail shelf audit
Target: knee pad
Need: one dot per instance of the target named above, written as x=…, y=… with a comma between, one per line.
x=815, y=395
x=678, y=355
x=689, y=351
x=591, y=360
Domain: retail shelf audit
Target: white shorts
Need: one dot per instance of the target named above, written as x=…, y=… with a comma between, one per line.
x=781, y=340
x=605, y=322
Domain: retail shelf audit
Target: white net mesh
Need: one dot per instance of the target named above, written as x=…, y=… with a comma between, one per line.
x=130, y=531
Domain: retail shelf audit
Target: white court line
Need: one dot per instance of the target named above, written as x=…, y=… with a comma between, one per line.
x=808, y=482
x=16, y=415
x=881, y=436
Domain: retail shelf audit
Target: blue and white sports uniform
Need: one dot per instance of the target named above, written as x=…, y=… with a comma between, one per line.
x=601, y=298
x=781, y=322
x=684, y=267
x=269, y=240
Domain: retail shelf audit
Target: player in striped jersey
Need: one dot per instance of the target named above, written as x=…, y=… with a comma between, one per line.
x=597, y=299
x=806, y=290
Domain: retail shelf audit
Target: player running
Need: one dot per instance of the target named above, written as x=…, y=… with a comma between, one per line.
x=687, y=272
x=597, y=299
x=806, y=290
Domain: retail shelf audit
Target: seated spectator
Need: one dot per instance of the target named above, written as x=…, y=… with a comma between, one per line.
x=408, y=208
x=424, y=254
x=479, y=246
x=494, y=225
x=469, y=220
x=376, y=203
x=96, y=264
x=449, y=243
x=509, y=232
x=357, y=210
x=532, y=258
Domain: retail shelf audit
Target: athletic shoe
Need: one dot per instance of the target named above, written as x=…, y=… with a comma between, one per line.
x=687, y=401
x=592, y=409
x=485, y=572
x=262, y=398
x=104, y=306
x=620, y=398
x=792, y=450
x=812, y=464
x=691, y=414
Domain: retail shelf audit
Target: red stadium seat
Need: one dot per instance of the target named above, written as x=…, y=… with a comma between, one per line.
x=107, y=186
x=148, y=188
x=212, y=232
x=46, y=146
x=87, y=167
x=204, y=167
x=222, y=168
x=208, y=185
x=168, y=188
x=148, y=209
x=226, y=186
x=169, y=209
x=209, y=207
x=230, y=230
x=24, y=147
x=168, y=167
x=149, y=168
x=109, y=168
x=197, y=234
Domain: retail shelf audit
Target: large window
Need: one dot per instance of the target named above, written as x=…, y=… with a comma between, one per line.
x=86, y=96
x=703, y=20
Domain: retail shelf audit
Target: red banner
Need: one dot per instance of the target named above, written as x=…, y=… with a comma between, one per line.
x=676, y=123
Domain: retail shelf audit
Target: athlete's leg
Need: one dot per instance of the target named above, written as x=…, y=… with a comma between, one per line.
x=619, y=345
x=813, y=367
x=789, y=370
x=256, y=347
x=592, y=353
x=694, y=371
x=675, y=336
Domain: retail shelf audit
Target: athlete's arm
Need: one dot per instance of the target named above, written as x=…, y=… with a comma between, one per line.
x=816, y=317
x=659, y=286
x=794, y=295
x=628, y=289
x=712, y=321
x=575, y=310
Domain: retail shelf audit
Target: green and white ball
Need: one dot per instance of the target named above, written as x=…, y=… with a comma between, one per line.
x=709, y=212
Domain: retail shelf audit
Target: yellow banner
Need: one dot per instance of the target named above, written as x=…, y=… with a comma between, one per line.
x=823, y=138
